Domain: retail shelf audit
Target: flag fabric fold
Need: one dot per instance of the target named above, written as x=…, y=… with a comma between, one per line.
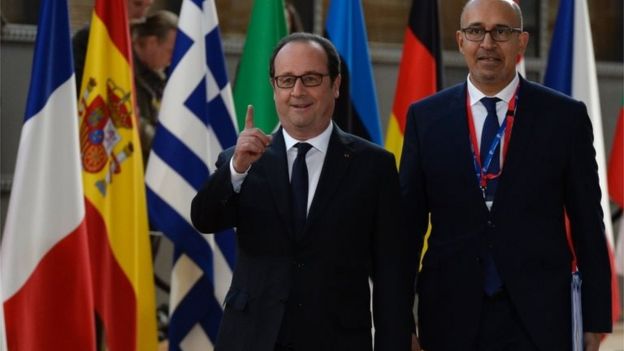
x=3, y=344
x=196, y=122
x=616, y=184
x=571, y=69
x=615, y=172
x=420, y=70
x=114, y=188
x=252, y=86
x=356, y=109
x=46, y=279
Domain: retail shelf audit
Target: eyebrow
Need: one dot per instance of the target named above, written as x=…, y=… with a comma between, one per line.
x=289, y=73
x=479, y=24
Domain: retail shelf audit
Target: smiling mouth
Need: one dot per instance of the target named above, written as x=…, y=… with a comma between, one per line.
x=301, y=106
x=489, y=59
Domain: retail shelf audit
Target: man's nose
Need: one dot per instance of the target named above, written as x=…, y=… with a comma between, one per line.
x=298, y=88
x=488, y=41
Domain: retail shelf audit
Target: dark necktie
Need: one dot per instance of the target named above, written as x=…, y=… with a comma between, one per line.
x=492, y=281
x=488, y=134
x=299, y=188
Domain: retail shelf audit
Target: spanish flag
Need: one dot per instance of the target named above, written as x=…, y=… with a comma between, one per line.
x=420, y=70
x=114, y=189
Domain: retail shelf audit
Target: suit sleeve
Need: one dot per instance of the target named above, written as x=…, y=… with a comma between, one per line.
x=413, y=191
x=393, y=274
x=214, y=208
x=582, y=201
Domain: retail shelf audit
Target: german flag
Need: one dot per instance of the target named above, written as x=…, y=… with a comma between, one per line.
x=420, y=71
x=114, y=189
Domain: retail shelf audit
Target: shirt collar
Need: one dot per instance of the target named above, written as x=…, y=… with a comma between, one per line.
x=506, y=94
x=319, y=142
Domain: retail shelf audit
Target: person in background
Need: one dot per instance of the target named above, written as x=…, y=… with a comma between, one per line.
x=317, y=213
x=152, y=44
x=137, y=10
x=293, y=19
x=495, y=164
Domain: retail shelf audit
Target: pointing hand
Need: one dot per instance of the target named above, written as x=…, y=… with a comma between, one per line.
x=251, y=144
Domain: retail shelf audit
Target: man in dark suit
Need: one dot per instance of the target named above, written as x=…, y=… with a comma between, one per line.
x=308, y=246
x=494, y=164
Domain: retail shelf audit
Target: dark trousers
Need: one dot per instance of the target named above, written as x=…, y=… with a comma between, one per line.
x=500, y=328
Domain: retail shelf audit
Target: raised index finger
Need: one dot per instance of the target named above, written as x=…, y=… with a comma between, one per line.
x=249, y=117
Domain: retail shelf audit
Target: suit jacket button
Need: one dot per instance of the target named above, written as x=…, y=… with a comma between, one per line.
x=299, y=305
x=491, y=224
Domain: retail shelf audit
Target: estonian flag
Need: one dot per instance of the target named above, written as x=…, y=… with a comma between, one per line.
x=356, y=109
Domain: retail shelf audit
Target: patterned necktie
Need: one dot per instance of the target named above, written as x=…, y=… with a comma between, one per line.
x=488, y=134
x=492, y=280
x=299, y=188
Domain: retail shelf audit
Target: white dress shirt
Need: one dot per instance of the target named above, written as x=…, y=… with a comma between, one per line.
x=479, y=112
x=314, y=160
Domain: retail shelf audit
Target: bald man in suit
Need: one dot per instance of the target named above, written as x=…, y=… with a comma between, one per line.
x=494, y=164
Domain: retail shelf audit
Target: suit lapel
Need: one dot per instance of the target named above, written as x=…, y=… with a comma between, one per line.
x=459, y=135
x=275, y=166
x=335, y=166
x=523, y=129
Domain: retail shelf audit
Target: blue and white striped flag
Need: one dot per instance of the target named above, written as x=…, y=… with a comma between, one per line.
x=571, y=69
x=196, y=122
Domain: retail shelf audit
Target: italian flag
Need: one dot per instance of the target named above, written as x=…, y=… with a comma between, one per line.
x=252, y=86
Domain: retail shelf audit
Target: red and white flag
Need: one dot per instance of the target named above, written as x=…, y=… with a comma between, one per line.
x=615, y=176
x=45, y=271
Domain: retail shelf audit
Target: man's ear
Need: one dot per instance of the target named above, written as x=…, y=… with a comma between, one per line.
x=460, y=41
x=336, y=86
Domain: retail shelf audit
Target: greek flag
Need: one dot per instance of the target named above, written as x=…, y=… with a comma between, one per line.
x=196, y=122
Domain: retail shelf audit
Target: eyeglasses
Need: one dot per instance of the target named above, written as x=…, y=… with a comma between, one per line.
x=288, y=81
x=499, y=33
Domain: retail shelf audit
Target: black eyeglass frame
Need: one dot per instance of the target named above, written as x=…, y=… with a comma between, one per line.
x=306, y=83
x=506, y=31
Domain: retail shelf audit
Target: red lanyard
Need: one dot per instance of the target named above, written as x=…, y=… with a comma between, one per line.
x=481, y=173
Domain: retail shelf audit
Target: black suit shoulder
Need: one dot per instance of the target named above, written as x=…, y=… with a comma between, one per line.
x=441, y=99
x=437, y=107
x=545, y=99
x=362, y=146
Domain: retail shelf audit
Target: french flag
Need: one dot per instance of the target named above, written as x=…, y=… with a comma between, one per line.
x=46, y=284
x=571, y=69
